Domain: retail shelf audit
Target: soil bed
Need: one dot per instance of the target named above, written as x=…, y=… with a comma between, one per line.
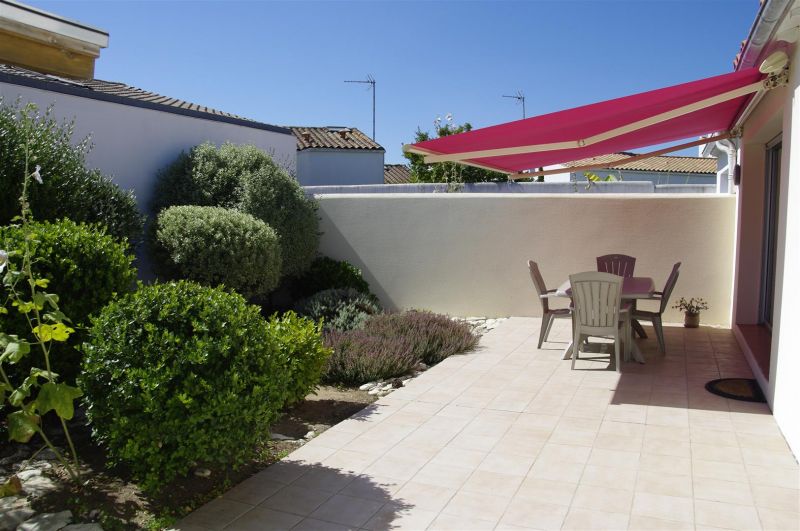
x=111, y=498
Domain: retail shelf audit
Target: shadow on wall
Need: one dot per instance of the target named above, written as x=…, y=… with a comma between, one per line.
x=344, y=251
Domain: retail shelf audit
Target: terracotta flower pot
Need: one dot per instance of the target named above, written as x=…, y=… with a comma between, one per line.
x=691, y=320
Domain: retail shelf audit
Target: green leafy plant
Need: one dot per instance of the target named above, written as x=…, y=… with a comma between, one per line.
x=434, y=336
x=360, y=357
x=178, y=374
x=299, y=343
x=214, y=245
x=592, y=178
x=70, y=190
x=245, y=178
x=339, y=309
x=327, y=273
x=40, y=392
x=447, y=172
x=88, y=265
x=693, y=306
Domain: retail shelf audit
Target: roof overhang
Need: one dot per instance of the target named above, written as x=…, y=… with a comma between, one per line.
x=679, y=112
x=48, y=28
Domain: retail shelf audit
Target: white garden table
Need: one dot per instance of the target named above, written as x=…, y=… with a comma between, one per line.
x=632, y=288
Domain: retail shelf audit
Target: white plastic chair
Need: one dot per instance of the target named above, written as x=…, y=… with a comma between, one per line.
x=663, y=296
x=598, y=312
x=548, y=314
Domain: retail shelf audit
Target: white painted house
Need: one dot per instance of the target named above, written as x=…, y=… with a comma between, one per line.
x=331, y=155
x=135, y=132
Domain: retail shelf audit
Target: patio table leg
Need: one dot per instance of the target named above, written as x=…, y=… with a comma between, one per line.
x=639, y=329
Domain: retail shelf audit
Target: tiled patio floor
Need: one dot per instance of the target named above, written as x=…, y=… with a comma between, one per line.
x=508, y=437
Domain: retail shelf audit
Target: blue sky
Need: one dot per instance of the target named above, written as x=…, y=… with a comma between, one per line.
x=285, y=62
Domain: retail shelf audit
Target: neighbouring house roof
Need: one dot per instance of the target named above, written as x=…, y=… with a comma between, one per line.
x=123, y=94
x=663, y=163
x=396, y=174
x=333, y=138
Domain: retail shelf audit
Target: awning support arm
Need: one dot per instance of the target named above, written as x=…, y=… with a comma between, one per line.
x=622, y=162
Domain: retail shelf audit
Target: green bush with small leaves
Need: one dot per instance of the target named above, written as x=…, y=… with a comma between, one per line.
x=327, y=273
x=339, y=309
x=86, y=267
x=299, y=342
x=68, y=189
x=178, y=375
x=213, y=245
x=246, y=178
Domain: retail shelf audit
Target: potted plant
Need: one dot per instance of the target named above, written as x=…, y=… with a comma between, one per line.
x=691, y=309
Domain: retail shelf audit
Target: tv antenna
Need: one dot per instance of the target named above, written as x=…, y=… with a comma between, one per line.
x=371, y=82
x=520, y=97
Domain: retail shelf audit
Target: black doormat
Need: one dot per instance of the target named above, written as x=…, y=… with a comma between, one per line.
x=745, y=389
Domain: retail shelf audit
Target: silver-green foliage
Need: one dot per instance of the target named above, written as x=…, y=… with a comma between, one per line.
x=214, y=245
x=246, y=178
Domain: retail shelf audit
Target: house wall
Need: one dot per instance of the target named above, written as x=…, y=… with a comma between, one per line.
x=320, y=167
x=776, y=114
x=132, y=144
x=466, y=254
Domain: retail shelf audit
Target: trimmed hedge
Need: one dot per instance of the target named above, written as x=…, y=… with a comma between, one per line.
x=299, y=342
x=339, y=309
x=434, y=336
x=179, y=374
x=245, y=178
x=327, y=273
x=214, y=245
x=86, y=267
x=68, y=189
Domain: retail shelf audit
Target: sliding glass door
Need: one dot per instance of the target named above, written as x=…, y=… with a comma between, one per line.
x=771, y=203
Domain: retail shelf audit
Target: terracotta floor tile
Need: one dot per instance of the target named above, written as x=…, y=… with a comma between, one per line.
x=260, y=519
x=579, y=519
x=675, y=508
x=547, y=491
x=726, y=515
x=509, y=437
x=529, y=514
x=347, y=510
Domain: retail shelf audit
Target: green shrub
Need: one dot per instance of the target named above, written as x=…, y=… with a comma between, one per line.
x=434, y=336
x=86, y=268
x=327, y=273
x=214, y=245
x=177, y=374
x=360, y=357
x=68, y=189
x=276, y=198
x=299, y=341
x=339, y=309
x=246, y=178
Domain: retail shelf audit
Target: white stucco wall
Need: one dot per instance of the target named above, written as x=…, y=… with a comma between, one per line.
x=324, y=167
x=466, y=254
x=131, y=143
x=784, y=360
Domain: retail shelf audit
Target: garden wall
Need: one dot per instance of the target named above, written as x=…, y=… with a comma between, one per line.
x=131, y=144
x=466, y=254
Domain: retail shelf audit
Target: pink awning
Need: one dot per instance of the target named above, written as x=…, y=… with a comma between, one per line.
x=649, y=118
